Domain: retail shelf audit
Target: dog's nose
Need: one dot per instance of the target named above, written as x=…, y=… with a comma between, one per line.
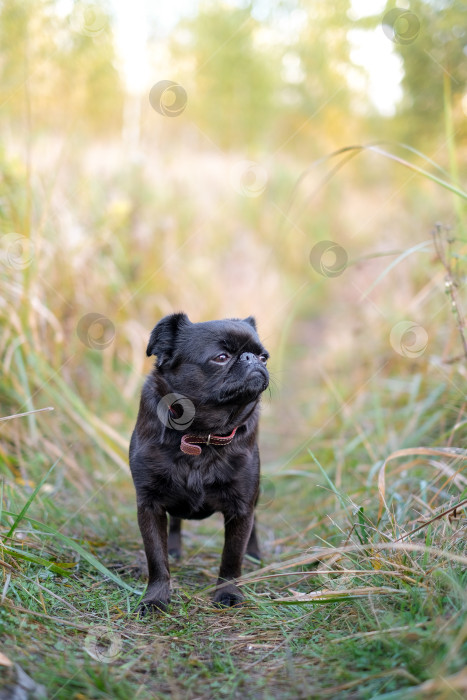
x=248, y=357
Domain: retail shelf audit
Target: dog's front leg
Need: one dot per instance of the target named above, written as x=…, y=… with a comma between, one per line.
x=152, y=522
x=237, y=532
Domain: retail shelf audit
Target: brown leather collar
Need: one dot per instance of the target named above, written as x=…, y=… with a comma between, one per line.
x=190, y=443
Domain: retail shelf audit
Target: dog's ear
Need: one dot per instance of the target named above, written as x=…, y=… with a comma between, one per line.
x=163, y=335
x=251, y=321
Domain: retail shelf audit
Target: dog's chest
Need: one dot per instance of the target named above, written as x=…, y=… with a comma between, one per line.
x=194, y=483
x=192, y=492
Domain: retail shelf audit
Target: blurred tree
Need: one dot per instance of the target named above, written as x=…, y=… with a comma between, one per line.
x=249, y=77
x=233, y=74
x=431, y=39
x=90, y=80
x=315, y=69
x=323, y=50
x=55, y=69
x=27, y=28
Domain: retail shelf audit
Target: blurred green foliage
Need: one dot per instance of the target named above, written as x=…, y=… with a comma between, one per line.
x=437, y=53
x=54, y=76
x=249, y=80
x=233, y=81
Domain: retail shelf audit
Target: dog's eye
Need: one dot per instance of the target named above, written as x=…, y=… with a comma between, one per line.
x=263, y=359
x=222, y=358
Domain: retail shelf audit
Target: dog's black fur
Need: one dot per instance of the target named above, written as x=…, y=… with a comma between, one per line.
x=219, y=366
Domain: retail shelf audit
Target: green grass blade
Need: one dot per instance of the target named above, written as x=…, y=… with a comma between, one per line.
x=36, y=559
x=330, y=483
x=324, y=597
x=349, y=152
x=30, y=500
x=405, y=254
x=420, y=171
x=87, y=556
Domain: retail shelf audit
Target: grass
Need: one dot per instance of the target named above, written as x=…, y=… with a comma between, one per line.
x=363, y=517
x=363, y=520
x=340, y=608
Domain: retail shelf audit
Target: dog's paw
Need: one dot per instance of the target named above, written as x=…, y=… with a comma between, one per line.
x=156, y=599
x=228, y=597
x=152, y=606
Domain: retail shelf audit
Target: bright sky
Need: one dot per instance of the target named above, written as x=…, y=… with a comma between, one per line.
x=131, y=34
x=135, y=18
x=375, y=52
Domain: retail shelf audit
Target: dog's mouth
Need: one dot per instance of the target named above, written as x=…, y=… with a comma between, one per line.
x=248, y=389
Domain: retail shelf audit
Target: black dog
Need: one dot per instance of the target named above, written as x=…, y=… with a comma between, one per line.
x=208, y=378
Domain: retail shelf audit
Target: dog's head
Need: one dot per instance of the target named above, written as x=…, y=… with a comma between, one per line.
x=212, y=363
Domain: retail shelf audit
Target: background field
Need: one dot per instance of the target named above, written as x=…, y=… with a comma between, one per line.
x=269, y=179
